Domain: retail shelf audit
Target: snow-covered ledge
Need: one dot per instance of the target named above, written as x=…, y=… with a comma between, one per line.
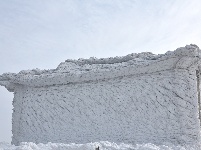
x=137, y=98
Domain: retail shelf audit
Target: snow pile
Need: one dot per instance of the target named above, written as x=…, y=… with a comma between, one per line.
x=103, y=145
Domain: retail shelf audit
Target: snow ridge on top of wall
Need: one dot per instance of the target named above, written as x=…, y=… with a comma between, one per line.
x=93, y=69
x=188, y=50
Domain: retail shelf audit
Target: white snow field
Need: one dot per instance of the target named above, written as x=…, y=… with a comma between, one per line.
x=136, y=99
x=103, y=145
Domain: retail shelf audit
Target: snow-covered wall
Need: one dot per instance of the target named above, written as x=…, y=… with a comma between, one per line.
x=138, y=98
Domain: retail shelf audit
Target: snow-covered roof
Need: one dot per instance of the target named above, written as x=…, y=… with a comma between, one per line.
x=93, y=69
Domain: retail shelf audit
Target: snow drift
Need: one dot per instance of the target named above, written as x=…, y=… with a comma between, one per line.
x=103, y=145
x=138, y=98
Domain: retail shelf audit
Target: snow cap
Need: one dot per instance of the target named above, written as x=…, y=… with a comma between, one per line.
x=92, y=69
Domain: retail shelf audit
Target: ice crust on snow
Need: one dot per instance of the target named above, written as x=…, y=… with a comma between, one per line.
x=138, y=98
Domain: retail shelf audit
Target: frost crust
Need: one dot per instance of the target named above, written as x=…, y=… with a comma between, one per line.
x=92, y=69
x=138, y=98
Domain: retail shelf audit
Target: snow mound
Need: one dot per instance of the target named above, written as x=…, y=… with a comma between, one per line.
x=103, y=145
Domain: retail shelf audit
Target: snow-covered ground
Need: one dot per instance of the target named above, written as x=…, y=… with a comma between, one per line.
x=103, y=145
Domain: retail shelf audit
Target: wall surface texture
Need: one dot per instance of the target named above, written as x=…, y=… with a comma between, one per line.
x=138, y=98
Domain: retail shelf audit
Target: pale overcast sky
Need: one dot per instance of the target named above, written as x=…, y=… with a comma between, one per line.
x=43, y=33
